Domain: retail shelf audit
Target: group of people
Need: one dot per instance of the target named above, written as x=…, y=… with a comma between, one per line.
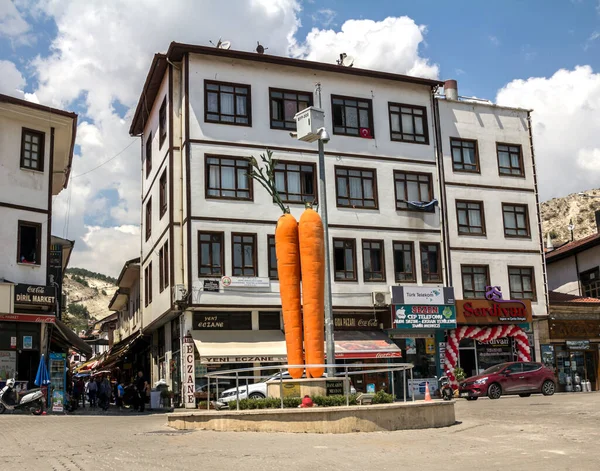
x=100, y=392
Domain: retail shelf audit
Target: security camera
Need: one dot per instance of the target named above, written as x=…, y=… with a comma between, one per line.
x=324, y=135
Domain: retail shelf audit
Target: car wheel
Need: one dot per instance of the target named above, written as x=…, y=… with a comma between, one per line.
x=494, y=391
x=548, y=388
x=525, y=395
x=471, y=398
x=256, y=395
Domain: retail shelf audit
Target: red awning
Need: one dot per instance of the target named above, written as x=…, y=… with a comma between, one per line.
x=364, y=344
x=40, y=318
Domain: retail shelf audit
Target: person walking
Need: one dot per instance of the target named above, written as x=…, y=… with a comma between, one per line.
x=92, y=389
x=140, y=386
x=104, y=391
x=119, y=396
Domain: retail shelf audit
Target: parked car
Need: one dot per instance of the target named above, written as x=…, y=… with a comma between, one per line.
x=259, y=390
x=201, y=393
x=522, y=378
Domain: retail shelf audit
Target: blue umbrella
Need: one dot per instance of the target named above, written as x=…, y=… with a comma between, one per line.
x=42, y=378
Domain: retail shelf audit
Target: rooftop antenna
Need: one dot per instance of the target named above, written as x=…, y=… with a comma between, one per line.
x=221, y=44
x=571, y=227
x=260, y=49
x=345, y=60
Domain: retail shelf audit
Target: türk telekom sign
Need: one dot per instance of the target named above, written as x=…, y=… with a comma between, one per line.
x=189, y=380
x=422, y=295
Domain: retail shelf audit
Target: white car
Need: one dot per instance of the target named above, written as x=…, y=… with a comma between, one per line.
x=259, y=390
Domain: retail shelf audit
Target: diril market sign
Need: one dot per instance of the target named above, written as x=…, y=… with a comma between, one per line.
x=408, y=316
x=494, y=309
x=35, y=294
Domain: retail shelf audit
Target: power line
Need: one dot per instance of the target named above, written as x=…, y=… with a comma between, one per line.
x=107, y=161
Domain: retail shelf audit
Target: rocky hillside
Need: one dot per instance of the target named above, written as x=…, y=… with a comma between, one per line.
x=88, y=295
x=557, y=213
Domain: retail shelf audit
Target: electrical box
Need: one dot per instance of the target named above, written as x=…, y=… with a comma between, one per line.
x=308, y=123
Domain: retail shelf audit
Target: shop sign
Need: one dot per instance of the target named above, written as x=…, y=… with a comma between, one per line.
x=43, y=318
x=245, y=282
x=58, y=398
x=493, y=309
x=245, y=359
x=355, y=321
x=35, y=294
x=574, y=329
x=424, y=317
x=335, y=388
x=416, y=387
x=442, y=350
x=212, y=286
x=578, y=344
x=291, y=389
x=27, y=342
x=222, y=320
x=422, y=295
x=55, y=258
x=13, y=342
x=367, y=355
x=189, y=380
x=8, y=364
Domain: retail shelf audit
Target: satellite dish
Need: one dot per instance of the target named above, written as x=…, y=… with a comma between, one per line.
x=260, y=48
x=225, y=45
x=345, y=60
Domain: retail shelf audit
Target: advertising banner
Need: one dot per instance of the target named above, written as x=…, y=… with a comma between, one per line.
x=422, y=295
x=407, y=316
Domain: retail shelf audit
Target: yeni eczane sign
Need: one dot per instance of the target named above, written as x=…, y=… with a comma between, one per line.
x=189, y=380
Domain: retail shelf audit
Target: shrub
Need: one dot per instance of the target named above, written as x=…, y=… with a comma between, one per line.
x=291, y=402
x=334, y=401
x=381, y=397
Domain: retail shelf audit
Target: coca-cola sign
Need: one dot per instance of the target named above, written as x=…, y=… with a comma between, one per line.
x=35, y=295
x=40, y=319
x=355, y=321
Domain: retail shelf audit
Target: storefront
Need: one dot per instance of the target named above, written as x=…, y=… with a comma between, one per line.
x=490, y=331
x=422, y=315
x=570, y=341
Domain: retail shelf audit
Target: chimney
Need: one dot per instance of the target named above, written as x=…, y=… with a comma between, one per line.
x=451, y=89
x=597, y=214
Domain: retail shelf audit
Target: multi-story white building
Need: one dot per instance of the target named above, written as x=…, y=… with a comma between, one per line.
x=36, y=151
x=208, y=263
x=491, y=211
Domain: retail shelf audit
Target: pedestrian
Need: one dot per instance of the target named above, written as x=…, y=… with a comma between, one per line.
x=81, y=391
x=104, y=393
x=92, y=388
x=140, y=386
x=76, y=393
x=120, y=394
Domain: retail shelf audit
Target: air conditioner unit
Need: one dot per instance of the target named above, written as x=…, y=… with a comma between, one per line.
x=380, y=298
x=179, y=293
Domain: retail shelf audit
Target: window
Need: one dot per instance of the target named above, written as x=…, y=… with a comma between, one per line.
x=430, y=263
x=470, y=217
x=272, y=258
x=163, y=193
x=352, y=117
x=165, y=251
x=521, y=281
x=590, y=283
x=269, y=321
x=373, y=260
x=161, y=342
x=284, y=106
x=162, y=123
x=510, y=161
x=161, y=270
x=227, y=103
x=32, y=149
x=210, y=254
x=296, y=182
x=148, y=285
x=474, y=280
x=465, y=157
x=404, y=261
x=344, y=259
x=227, y=178
x=148, y=155
x=408, y=123
x=516, y=220
x=412, y=187
x=244, y=255
x=356, y=188
x=29, y=243
x=149, y=218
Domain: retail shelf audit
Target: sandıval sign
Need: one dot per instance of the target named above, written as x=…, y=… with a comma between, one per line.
x=493, y=309
x=189, y=380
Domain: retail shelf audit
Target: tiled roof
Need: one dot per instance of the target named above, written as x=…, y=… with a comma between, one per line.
x=573, y=247
x=556, y=297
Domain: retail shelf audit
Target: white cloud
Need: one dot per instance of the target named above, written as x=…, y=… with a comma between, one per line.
x=566, y=120
x=390, y=45
x=12, y=23
x=102, y=52
x=593, y=37
x=494, y=40
x=324, y=17
x=12, y=81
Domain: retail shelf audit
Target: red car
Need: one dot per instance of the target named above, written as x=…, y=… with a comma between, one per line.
x=522, y=378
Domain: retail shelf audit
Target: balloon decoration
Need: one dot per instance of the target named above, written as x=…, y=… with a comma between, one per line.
x=483, y=335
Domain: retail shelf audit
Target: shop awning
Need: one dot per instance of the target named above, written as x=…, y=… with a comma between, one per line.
x=72, y=338
x=119, y=350
x=364, y=344
x=248, y=346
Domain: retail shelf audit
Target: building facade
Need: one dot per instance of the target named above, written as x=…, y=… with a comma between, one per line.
x=208, y=267
x=36, y=151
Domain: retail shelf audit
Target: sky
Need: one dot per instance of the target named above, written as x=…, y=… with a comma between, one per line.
x=92, y=57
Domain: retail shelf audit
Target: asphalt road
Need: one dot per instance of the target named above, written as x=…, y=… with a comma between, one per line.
x=536, y=433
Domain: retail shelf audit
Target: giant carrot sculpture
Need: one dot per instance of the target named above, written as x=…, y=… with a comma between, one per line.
x=288, y=266
x=312, y=260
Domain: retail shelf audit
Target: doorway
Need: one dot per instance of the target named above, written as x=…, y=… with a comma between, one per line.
x=27, y=364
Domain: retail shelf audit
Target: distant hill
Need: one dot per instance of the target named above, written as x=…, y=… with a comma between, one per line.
x=82, y=272
x=557, y=212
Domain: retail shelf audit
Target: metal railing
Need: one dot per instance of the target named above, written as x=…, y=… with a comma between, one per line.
x=348, y=371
